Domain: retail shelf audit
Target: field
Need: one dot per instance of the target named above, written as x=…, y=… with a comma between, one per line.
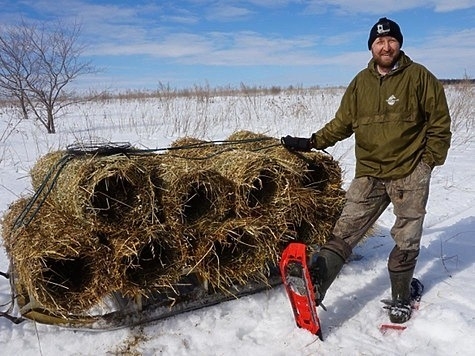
x=263, y=324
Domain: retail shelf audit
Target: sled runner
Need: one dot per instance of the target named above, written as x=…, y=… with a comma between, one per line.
x=129, y=312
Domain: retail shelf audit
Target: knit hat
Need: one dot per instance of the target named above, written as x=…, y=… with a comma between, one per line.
x=384, y=27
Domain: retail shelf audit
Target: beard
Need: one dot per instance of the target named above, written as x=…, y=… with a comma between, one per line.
x=387, y=59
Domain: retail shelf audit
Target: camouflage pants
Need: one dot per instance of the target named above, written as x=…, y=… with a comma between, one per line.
x=368, y=197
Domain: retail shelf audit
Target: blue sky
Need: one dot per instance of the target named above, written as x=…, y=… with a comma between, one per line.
x=140, y=44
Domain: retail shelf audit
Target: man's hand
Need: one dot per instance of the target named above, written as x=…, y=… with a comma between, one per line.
x=296, y=143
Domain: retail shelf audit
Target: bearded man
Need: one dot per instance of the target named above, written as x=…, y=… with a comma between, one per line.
x=398, y=112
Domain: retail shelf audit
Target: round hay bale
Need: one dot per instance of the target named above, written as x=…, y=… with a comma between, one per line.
x=251, y=141
x=260, y=180
x=312, y=215
x=62, y=264
x=189, y=153
x=11, y=224
x=323, y=173
x=109, y=189
x=154, y=181
x=192, y=148
x=234, y=252
x=147, y=259
x=315, y=169
x=196, y=195
x=45, y=168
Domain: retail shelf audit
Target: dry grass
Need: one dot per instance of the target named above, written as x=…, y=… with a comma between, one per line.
x=462, y=111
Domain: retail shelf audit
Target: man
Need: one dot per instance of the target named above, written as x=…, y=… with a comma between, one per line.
x=398, y=112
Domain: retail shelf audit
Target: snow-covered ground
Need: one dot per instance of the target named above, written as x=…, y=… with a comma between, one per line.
x=263, y=324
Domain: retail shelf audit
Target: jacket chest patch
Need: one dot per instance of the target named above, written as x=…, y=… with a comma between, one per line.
x=392, y=100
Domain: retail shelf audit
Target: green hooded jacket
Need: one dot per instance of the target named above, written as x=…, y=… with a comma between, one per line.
x=398, y=119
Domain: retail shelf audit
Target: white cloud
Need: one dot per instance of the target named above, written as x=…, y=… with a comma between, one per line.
x=379, y=7
x=172, y=46
x=184, y=20
x=451, y=5
x=224, y=12
x=274, y=3
x=448, y=55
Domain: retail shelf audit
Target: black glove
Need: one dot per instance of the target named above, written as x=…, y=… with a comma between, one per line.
x=297, y=143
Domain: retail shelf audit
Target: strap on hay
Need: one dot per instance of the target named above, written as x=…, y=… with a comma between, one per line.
x=45, y=185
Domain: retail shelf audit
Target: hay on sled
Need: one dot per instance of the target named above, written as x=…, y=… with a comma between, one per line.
x=314, y=169
x=45, y=168
x=137, y=224
x=195, y=195
x=235, y=251
x=192, y=148
x=251, y=141
x=322, y=173
x=111, y=189
x=11, y=223
x=260, y=180
x=61, y=264
x=147, y=259
x=189, y=154
x=311, y=216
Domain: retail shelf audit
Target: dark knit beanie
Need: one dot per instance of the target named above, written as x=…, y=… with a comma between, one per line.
x=385, y=27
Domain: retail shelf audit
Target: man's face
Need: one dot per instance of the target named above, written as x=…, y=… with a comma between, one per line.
x=385, y=51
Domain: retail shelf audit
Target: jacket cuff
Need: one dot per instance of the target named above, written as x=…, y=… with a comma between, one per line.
x=429, y=160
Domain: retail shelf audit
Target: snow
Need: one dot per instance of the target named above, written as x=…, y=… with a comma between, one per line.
x=263, y=324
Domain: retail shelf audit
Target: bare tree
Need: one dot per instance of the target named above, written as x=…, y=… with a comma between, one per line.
x=37, y=63
x=13, y=51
